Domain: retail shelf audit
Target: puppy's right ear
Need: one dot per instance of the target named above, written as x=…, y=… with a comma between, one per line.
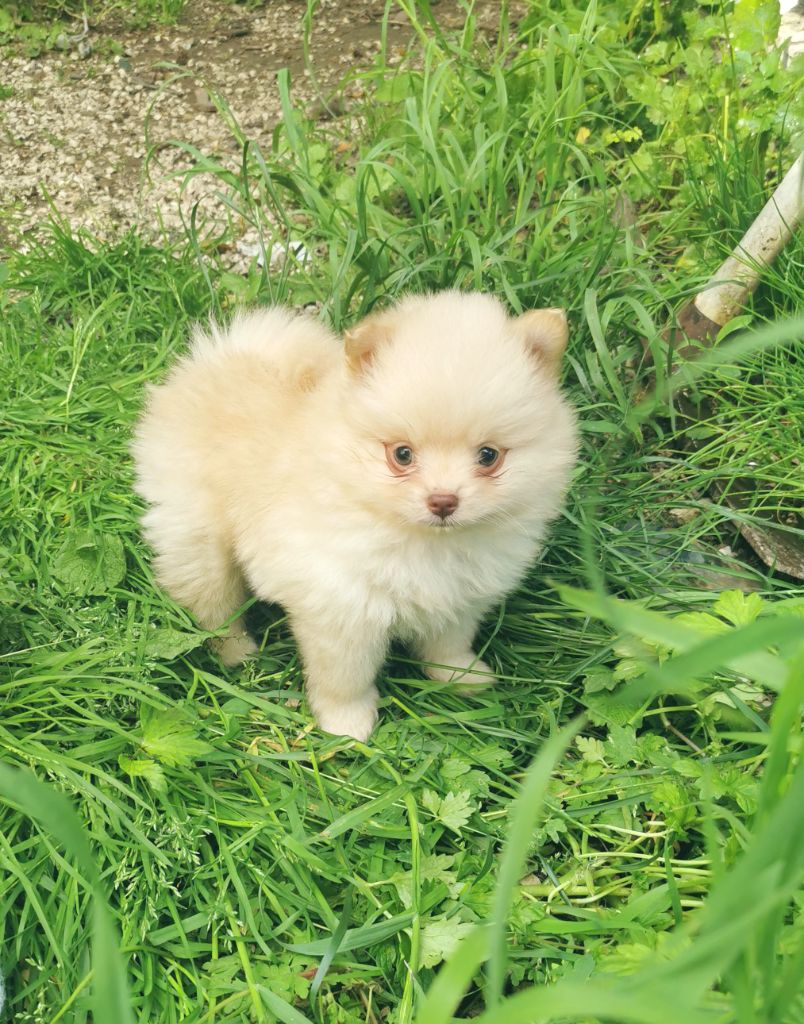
x=363, y=340
x=545, y=333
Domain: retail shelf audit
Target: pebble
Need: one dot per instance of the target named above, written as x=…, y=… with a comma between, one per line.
x=201, y=100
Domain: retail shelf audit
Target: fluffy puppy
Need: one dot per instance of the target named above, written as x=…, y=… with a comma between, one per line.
x=397, y=485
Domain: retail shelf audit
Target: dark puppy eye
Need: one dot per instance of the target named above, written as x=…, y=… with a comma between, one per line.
x=399, y=456
x=487, y=456
x=403, y=456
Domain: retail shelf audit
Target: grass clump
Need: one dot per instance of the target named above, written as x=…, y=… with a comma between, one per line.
x=33, y=27
x=600, y=868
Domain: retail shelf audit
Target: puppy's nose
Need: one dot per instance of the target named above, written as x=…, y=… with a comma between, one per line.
x=442, y=505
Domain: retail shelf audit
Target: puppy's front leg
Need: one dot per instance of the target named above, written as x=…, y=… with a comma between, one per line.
x=449, y=655
x=340, y=666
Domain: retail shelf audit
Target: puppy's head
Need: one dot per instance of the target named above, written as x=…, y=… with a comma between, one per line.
x=455, y=413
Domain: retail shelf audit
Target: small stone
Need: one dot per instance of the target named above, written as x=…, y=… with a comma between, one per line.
x=238, y=30
x=201, y=100
x=683, y=515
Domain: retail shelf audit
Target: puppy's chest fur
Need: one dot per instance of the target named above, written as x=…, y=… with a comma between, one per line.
x=410, y=585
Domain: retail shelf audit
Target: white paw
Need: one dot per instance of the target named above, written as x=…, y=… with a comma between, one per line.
x=234, y=650
x=467, y=672
x=356, y=719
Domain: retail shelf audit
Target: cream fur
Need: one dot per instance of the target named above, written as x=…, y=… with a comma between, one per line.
x=262, y=457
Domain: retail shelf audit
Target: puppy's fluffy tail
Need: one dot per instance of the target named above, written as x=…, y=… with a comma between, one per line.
x=249, y=331
x=264, y=332
x=300, y=348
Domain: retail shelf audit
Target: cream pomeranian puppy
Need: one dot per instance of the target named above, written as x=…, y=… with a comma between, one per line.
x=397, y=485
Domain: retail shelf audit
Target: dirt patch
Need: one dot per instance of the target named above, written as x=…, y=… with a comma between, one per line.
x=77, y=124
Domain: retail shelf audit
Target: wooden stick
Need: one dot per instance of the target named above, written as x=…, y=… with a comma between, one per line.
x=727, y=290
x=738, y=276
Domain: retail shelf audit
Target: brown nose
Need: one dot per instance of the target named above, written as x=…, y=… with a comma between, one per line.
x=442, y=505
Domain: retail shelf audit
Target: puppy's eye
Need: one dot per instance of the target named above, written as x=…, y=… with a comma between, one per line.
x=487, y=456
x=399, y=457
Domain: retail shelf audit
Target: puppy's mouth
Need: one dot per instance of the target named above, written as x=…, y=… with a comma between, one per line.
x=448, y=524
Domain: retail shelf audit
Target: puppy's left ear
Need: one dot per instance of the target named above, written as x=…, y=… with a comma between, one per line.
x=545, y=333
x=362, y=341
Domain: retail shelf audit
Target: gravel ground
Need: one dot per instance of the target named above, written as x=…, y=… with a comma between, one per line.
x=77, y=124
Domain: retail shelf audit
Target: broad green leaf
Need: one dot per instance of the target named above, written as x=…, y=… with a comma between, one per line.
x=144, y=768
x=703, y=623
x=738, y=608
x=440, y=937
x=170, y=736
x=599, y=680
x=90, y=563
x=453, y=810
x=673, y=803
x=618, y=708
x=434, y=868
x=167, y=643
x=285, y=980
x=629, y=668
x=621, y=746
x=457, y=772
x=754, y=24
x=592, y=750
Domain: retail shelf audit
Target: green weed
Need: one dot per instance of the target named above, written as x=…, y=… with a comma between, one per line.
x=34, y=26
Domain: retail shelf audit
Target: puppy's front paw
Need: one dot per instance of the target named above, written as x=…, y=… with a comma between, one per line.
x=467, y=672
x=234, y=650
x=356, y=719
x=479, y=677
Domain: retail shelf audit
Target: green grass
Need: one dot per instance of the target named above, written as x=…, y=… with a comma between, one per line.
x=32, y=27
x=255, y=869
x=144, y=11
